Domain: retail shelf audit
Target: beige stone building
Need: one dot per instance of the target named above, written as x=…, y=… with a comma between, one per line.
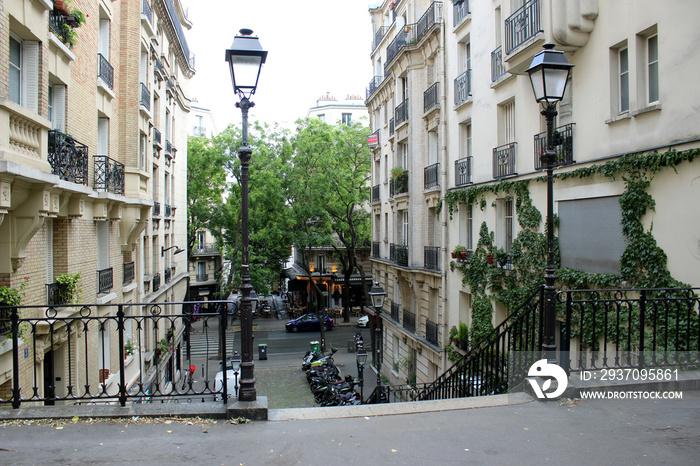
x=452, y=104
x=93, y=158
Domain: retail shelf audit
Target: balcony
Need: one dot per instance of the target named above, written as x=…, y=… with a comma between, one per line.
x=146, y=11
x=431, y=257
x=463, y=171
x=396, y=312
x=497, y=69
x=378, y=36
x=463, y=87
x=145, y=97
x=459, y=12
x=375, y=194
x=430, y=98
x=202, y=277
x=401, y=255
x=109, y=175
x=409, y=321
x=205, y=249
x=504, y=160
x=431, y=332
x=373, y=85
x=391, y=127
x=411, y=34
x=105, y=71
x=156, y=209
x=105, y=280
x=375, y=248
x=431, y=176
x=68, y=158
x=398, y=183
x=563, y=139
x=168, y=274
x=401, y=112
x=168, y=147
x=156, y=282
x=128, y=272
x=57, y=294
x=157, y=140
x=523, y=24
x=159, y=70
x=57, y=25
x=168, y=211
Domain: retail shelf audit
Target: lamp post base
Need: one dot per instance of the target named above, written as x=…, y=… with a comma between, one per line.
x=254, y=410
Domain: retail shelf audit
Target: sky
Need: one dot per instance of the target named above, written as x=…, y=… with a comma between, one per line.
x=314, y=47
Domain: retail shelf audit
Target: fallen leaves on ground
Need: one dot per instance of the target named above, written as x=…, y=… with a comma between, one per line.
x=56, y=423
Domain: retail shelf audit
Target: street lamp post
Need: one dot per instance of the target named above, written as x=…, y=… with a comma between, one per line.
x=377, y=295
x=549, y=72
x=361, y=361
x=245, y=59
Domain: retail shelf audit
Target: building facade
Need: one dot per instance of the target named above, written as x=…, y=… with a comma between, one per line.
x=453, y=102
x=93, y=159
x=332, y=111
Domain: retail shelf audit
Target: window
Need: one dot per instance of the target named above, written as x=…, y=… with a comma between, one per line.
x=403, y=153
x=465, y=227
x=504, y=226
x=347, y=117
x=24, y=72
x=102, y=245
x=395, y=354
x=465, y=140
x=322, y=116
x=509, y=122
x=15, y=70
x=146, y=268
x=50, y=103
x=321, y=263
x=623, y=81
x=404, y=228
x=103, y=136
x=653, y=68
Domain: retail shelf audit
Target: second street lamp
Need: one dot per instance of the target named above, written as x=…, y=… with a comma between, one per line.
x=245, y=59
x=549, y=72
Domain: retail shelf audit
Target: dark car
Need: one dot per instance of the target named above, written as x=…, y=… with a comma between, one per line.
x=308, y=322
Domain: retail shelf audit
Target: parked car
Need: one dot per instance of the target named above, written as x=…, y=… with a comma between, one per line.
x=363, y=321
x=308, y=322
x=233, y=375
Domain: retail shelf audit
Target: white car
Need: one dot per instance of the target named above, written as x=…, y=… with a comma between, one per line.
x=363, y=321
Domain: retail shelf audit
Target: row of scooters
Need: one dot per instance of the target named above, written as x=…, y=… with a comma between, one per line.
x=326, y=383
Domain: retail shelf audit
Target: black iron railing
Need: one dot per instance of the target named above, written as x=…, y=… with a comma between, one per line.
x=145, y=97
x=463, y=86
x=168, y=275
x=157, y=137
x=523, y=24
x=431, y=176
x=401, y=113
x=156, y=282
x=159, y=69
x=375, y=248
x=58, y=25
x=401, y=254
x=431, y=17
x=563, y=139
x=156, y=209
x=129, y=272
x=146, y=11
x=459, y=12
x=463, y=171
x=430, y=97
x=497, y=69
x=504, y=160
x=68, y=158
x=378, y=36
x=109, y=175
x=431, y=257
x=202, y=277
x=105, y=71
x=105, y=280
x=392, y=252
x=168, y=211
x=391, y=127
x=399, y=42
x=396, y=312
x=205, y=248
x=168, y=147
x=57, y=294
x=373, y=85
x=154, y=354
x=411, y=34
x=375, y=194
x=409, y=320
x=431, y=332
x=399, y=184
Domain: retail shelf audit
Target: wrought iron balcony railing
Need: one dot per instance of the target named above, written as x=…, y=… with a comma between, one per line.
x=58, y=24
x=202, y=277
x=431, y=330
x=378, y=36
x=401, y=254
x=497, y=69
x=109, y=175
x=401, y=113
x=430, y=97
x=463, y=86
x=158, y=69
x=156, y=282
x=375, y=248
x=168, y=275
x=168, y=211
x=105, y=280
x=409, y=320
x=399, y=184
x=105, y=71
x=463, y=171
x=145, y=97
x=168, y=147
x=431, y=176
x=147, y=12
x=68, y=158
x=392, y=252
x=205, y=248
x=431, y=17
x=391, y=127
x=460, y=11
x=375, y=194
x=57, y=294
x=128, y=272
x=431, y=257
x=411, y=34
x=504, y=160
x=373, y=85
x=156, y=209
x=523, y=24
x=396, y=312
x=563, y=139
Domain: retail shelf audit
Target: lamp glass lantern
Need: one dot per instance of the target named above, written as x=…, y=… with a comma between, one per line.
x=377, y=294
x=253, y=301
x=362, y=358
x=245, y=59
x=549, y=73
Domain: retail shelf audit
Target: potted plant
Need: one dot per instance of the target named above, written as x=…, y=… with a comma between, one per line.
x=71, y=290
x=61, y=7
x=162, y=347
x=397, y=173
x=489, y=258
x=462, y=341
x=459, y=252
x=501, y=257
x=75, y=18
x=128, y=348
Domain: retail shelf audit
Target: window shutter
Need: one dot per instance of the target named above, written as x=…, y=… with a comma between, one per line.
x=30, y=90
x=59, y=108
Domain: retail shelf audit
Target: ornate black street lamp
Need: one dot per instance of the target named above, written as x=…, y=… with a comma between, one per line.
x=549, y=73
x=361, y=361
x=377, y=295
x=245, y=59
